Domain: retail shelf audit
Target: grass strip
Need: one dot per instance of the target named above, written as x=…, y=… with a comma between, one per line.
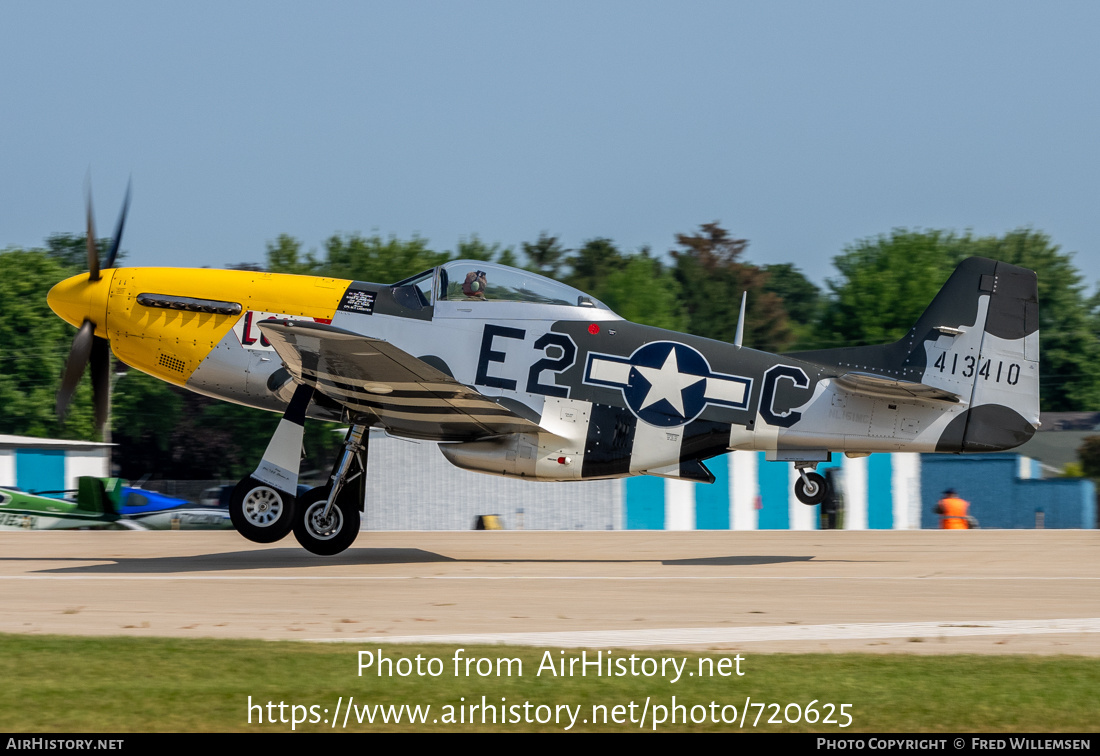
x=125, y=684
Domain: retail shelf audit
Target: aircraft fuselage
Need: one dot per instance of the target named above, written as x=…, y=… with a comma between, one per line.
x=598, y=396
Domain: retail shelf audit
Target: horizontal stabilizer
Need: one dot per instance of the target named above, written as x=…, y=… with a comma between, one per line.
x=879, y=385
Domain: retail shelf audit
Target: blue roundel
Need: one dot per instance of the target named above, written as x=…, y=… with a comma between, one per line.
x=667, y=384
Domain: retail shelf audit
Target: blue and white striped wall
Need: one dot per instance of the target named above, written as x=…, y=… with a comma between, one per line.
x=412, y=487
x=881, y=492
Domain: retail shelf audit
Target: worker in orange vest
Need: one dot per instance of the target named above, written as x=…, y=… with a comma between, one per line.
x=952, y=511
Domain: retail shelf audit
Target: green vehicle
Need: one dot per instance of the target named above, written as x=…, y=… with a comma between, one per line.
x=97, y=505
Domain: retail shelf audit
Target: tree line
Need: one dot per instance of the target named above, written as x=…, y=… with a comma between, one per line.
x=881, y=286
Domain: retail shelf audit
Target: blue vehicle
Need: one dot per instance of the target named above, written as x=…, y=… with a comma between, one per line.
x=156, y=511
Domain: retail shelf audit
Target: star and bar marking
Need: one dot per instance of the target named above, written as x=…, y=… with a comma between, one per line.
x=666, y=383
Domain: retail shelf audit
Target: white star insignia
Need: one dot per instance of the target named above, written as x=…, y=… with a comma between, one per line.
x=667, y=383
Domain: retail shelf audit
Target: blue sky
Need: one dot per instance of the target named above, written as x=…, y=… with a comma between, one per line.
x=800, y=126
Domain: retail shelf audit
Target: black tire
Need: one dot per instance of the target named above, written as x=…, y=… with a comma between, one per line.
x=813, y=494
x=331, y=536
x=261, y=513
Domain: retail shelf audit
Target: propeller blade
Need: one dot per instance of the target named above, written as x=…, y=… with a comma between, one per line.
x=93, y=252
x=101, y=381
x=74, y=366
x=117, y=240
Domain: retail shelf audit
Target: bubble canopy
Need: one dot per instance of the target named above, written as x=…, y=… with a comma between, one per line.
x=480, y=281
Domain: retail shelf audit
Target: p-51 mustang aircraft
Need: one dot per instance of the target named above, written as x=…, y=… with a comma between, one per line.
x=519, y=375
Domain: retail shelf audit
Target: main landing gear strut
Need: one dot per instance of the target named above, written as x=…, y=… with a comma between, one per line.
x=327, y=520
x=265, y=508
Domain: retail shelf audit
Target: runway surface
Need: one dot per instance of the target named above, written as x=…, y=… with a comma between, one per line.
x=912, y=591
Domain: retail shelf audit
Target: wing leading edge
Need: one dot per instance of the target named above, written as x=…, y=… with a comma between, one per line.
x=405, y=395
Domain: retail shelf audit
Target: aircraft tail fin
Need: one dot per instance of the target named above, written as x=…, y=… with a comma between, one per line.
x=978, y=340
x=93, y=495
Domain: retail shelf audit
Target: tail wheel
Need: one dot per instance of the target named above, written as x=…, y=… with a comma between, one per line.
x=332, y=534
x=811, y=490
x=259, y=512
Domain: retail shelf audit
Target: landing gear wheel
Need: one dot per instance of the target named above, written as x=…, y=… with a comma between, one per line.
x=259, y=512
x=815, y=492
x=327, y=535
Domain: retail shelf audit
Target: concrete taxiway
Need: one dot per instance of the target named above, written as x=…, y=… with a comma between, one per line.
x=913, y=591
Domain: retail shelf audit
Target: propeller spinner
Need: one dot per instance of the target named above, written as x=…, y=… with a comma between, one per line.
x=82, y=301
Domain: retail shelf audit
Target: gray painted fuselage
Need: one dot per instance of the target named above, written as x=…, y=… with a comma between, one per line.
x=562, y=391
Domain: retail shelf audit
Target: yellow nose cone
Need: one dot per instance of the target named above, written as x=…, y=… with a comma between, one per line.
x=77, y=299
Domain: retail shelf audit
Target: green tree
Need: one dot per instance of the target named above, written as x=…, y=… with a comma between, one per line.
x=473, y=248
x=593, y=263
x=644, y=291
x=145, y=413
x=284, y=255
x=712, y=278
x=34, y=344
x=801, y=299
x=1089, y=454
x=885, y=284
x=71, y=250
x=371, y=258
x=638, y=287
x=545, y=256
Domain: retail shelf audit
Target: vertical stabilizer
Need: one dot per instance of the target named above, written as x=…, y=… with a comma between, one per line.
x=1002, y=365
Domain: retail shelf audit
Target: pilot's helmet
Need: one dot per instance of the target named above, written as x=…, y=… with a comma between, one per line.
x=474, y=285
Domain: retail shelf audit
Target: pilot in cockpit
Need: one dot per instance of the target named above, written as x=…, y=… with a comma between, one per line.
x=474, y=285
